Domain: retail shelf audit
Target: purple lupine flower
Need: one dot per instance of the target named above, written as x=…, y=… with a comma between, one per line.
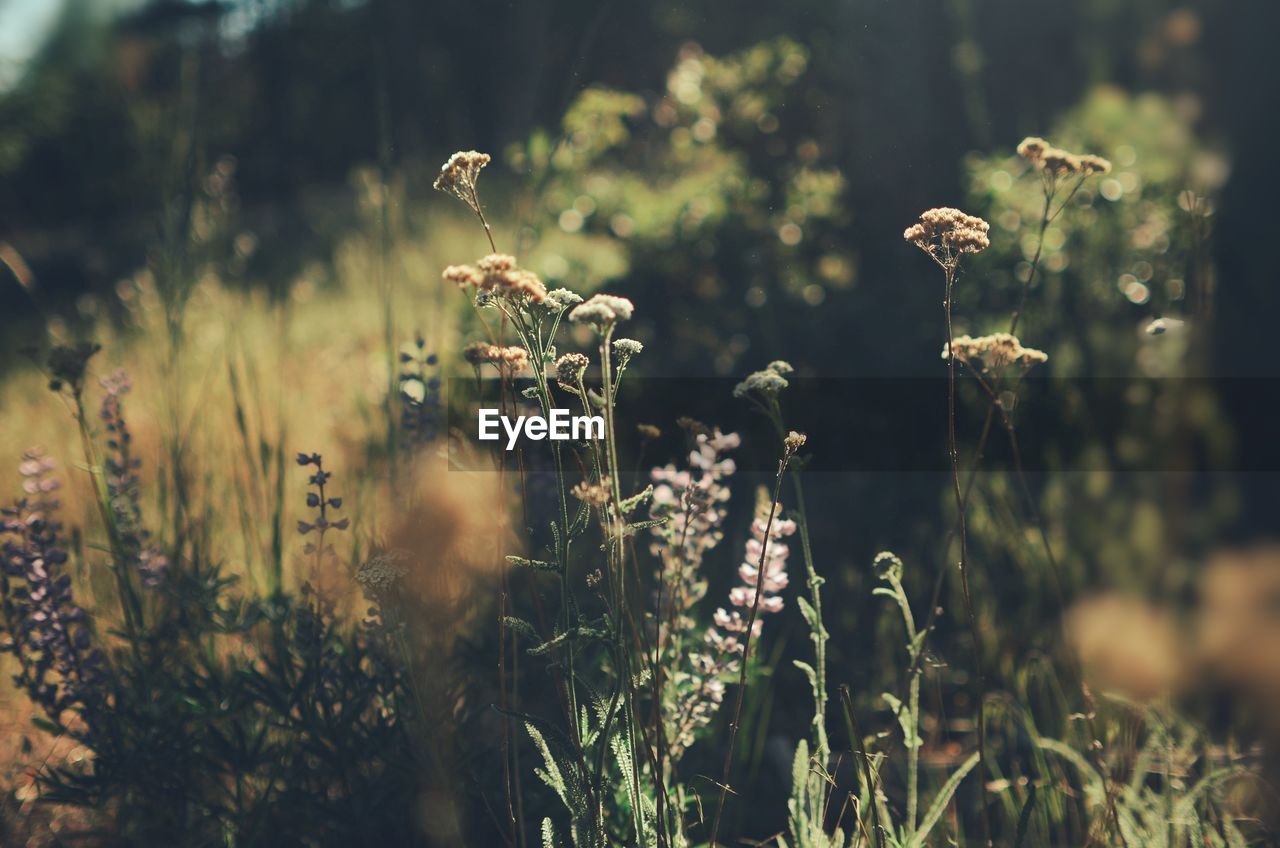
x=694, y=502
x=321, y=502
x=133, y=540
x=45, y=630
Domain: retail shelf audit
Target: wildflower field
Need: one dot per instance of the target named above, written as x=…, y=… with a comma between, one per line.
x=664, y=425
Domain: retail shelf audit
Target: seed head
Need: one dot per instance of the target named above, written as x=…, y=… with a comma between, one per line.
x=561, y=299
x=994, y=352
x=509, y=360
x=602, y=311
x=946, y=234
x=498, y=275
x=459, y=175
x=794, y=441
x=1032, y=148
x=570, y=368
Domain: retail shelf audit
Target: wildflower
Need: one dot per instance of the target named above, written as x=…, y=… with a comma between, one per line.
x=419, y=394
x=497, y=274
x=946, y=234
x=602, y=311
x=132, y=543
x=626, y=348
x=1032, y=148
x=509, y=360
x=381, y=573
x=1091, y=164
x=648, y=432
x=569, y=369
x=46, y=631
x=723, y=643
x=768, y=382
x=459, y=175
x=1055, y=162
x=693, y=503
x=559, y=300
x=994, y=351
x=322, y=553
x=1060, y=162
x=794, y=441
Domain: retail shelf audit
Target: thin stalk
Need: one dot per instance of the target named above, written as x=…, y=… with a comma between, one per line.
x=746, y=646
x=980, y=707
x=619, y=548
x=855, y=742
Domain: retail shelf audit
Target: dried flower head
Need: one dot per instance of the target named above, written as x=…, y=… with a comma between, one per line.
x=1091, y=164
x=602, y=311
x=459, y=175
x=1032, y=148
x=498, y=275
x=1054, y=162
x=994, y=352
x=559, y=300
x=794, y=441
x=570, y=367
x=648, y=432
x=381, y=573
x=946, y=234
x=509, y=361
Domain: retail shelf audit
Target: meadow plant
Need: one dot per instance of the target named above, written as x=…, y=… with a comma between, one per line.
x=45, y=630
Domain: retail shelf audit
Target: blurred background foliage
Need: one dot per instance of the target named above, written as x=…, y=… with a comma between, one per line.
x=233, y=197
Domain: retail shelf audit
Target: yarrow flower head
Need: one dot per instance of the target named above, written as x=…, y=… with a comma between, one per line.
x=459, y=175
x=381, y=573
x=602, y=311
x=994, y=352
x=498, y=275
x=946, y=234
x=767, y=382
x=559, y=300
x=509, y=361
x=624, y=349
x=1054, y=162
